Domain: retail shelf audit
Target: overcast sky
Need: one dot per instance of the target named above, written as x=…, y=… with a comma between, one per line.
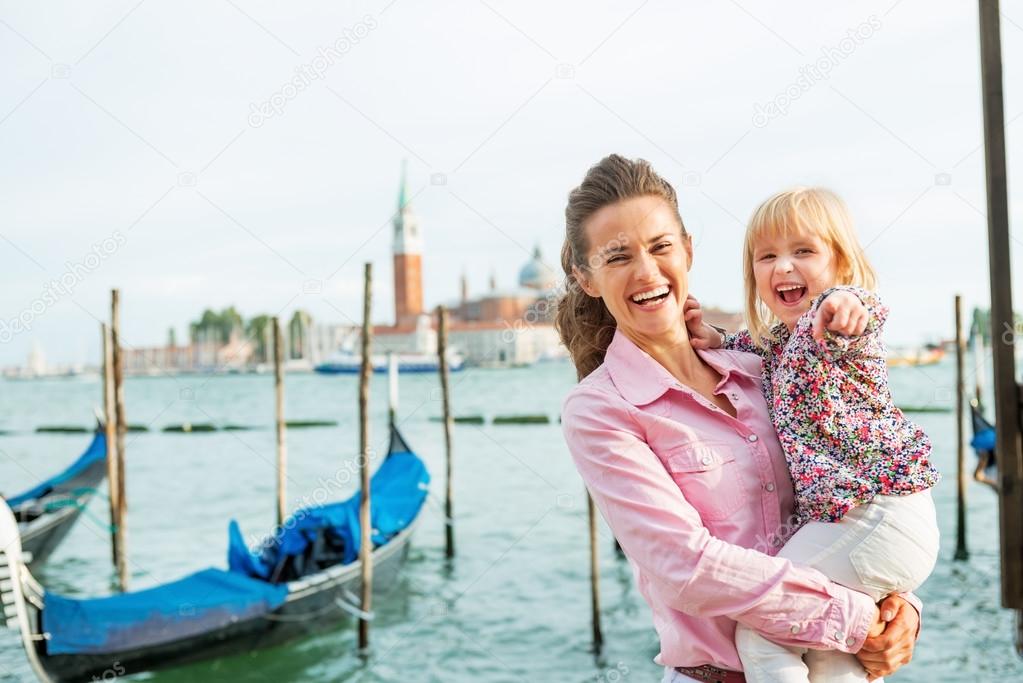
x=170, y=141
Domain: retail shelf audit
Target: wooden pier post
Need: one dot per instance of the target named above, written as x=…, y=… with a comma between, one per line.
x=282, y=448
x=1008, y=447
x=961, y=552
x=979, y=365
x=598, y=634
x=365, y=518
x=110, y=433
x=392, y=390
x=121, y=427
x=442, y=347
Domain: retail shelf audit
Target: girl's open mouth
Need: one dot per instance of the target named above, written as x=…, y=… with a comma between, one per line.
x=791, y=294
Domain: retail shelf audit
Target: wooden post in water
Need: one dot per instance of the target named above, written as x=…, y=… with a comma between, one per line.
x=365, y=519
x=598, y=635
x=442, y=347
x=117, y=362
x=392, y=390
x=961, y=552
x=110, y=433
x=979, y=366
x=282, y=448
x=1008, y=447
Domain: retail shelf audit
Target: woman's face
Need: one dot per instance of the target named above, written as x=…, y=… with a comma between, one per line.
x=639, y=264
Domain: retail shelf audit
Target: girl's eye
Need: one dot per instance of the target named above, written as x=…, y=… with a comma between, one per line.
x=804, y=251
x=765, y=257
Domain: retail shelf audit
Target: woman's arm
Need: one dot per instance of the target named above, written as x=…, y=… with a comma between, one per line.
x=688, y=569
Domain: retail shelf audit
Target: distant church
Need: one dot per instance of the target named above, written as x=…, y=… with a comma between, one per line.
x=500, y=327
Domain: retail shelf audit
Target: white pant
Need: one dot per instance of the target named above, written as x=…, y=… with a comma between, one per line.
x=887, y=546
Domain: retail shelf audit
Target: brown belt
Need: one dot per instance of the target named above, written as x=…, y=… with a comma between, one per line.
x=712, y=674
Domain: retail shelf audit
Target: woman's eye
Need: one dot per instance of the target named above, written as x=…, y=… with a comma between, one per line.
x=662, y=246
x=615, y=259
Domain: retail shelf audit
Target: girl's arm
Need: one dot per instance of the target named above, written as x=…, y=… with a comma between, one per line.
x=847, y=321
x=687, y=568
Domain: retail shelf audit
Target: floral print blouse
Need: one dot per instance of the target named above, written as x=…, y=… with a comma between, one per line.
x=844, y=440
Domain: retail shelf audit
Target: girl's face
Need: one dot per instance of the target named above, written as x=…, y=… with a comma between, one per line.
x=638, y=264
x=791, y=271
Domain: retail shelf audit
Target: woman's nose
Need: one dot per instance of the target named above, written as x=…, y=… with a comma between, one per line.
x=646, y=266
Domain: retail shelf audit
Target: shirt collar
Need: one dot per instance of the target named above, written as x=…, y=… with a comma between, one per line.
x=641, y=380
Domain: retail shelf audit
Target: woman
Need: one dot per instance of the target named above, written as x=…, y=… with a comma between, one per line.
x=677, y=450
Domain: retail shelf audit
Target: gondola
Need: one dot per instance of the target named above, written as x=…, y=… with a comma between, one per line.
x=983, y=443
x=46, y=512
x=301, y=579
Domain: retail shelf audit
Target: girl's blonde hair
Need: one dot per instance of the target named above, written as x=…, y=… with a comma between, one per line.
x=812, y=210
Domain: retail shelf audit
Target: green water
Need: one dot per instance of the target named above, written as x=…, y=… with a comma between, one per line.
x=513, y=606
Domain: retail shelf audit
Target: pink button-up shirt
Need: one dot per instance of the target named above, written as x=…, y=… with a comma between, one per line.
x=700, y=502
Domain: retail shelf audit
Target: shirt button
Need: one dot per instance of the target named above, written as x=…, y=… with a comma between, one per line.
x=769, y=486
x=794, y=629
x=839, y=636
x=752, y=438
x=850, y=642
x=705, y=460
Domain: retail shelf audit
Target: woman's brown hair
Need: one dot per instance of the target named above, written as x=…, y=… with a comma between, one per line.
x=585, y=325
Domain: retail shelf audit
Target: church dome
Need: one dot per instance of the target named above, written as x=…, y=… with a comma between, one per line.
x=538, y=275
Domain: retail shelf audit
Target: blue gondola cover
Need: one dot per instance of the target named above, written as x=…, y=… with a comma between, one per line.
x=97, y=450
x=199, y=603
x=398, y=487
x=984, y=441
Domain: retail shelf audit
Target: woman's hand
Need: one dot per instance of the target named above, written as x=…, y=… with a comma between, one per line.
x=890, y=641
x=841, y=313
x=701, y=335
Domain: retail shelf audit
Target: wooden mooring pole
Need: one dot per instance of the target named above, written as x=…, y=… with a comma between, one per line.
x=1009, y=453
x=282, y=448
x=598, y=634
x=121, y=427
x=392, y=390
x=442, y=348
x=961, y=552
x=365, y=518
x=110, y=433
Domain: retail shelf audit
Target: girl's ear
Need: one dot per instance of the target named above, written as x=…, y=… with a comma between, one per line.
x=687, y=242
x=584, y=282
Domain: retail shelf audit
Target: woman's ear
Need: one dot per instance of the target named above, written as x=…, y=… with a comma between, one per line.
x=584, y=282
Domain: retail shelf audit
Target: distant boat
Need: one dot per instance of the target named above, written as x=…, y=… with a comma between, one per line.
x=302, y=579
x=928, y=355
x=46, y=512
x=348, y=363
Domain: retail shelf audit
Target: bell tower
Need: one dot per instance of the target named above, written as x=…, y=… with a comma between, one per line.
x=408, y=260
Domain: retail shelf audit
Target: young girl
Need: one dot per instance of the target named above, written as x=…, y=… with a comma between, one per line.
x=860, y=469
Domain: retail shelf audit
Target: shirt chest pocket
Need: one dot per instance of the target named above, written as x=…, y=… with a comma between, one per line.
x=709, y=477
